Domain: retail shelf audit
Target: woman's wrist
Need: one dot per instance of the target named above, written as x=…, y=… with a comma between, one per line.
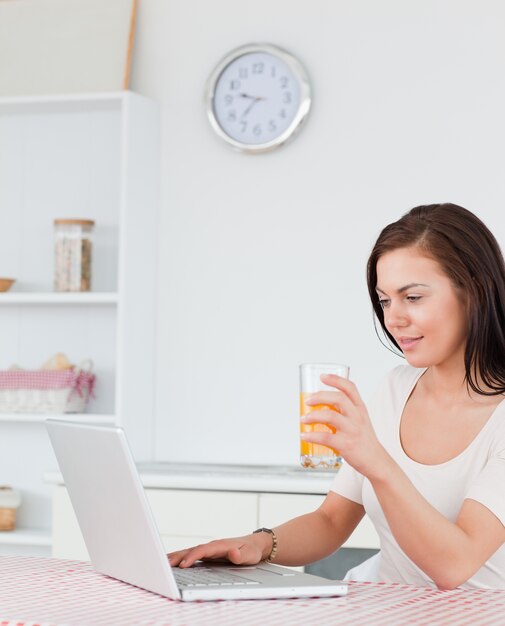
x=384, y=469
x=267, y=542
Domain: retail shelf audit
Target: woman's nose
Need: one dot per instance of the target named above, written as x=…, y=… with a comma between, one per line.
x=395, y=316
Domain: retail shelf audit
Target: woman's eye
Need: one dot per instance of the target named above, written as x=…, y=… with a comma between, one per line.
x=413, y=298
x=384, y=303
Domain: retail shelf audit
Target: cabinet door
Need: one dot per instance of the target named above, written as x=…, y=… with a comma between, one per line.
x=187, y=517
x=274, y=509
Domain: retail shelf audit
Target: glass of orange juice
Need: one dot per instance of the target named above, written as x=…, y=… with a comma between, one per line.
x=314, y=455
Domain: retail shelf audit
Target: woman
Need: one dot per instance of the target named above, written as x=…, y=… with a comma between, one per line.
x=431, y=475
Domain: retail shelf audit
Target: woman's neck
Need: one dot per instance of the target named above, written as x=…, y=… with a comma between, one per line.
x=449, y=385
x=444, y=383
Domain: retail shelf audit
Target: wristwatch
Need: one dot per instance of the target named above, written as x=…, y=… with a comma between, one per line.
x=273, y=552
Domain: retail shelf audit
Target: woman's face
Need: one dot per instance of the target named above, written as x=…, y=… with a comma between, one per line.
x=422, y=309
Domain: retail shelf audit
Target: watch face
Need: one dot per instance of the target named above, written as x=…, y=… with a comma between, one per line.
x=259, y=98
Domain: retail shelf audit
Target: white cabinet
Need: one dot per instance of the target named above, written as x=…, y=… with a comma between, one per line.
x=276, y=508
x=188, y=517
x=90, y=156
x=184, y=518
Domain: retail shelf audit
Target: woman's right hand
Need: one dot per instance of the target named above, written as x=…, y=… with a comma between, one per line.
x=247, y=550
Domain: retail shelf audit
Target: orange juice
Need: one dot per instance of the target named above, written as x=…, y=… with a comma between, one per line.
x=313, y=454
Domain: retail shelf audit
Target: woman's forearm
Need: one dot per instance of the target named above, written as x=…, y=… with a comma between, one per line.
x=313, y=536
x=302, y=540
x=441, y=548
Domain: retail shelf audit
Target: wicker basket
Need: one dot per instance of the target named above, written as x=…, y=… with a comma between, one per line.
x=46, y=391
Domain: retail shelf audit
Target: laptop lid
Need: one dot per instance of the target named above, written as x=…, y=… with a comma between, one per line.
x=110, y=504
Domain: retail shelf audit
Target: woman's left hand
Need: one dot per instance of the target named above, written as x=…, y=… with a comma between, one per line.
x=354, y=436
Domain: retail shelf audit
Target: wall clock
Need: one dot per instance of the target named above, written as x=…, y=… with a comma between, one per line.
x=257, y=97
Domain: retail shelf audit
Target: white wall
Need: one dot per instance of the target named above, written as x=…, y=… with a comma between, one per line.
x=262, y=257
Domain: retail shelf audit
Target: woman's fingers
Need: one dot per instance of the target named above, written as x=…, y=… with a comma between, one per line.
x=344, y=385
x=335, y=421
x=324, y=416
x=235, y=550
x=338, y=400
x=328, y=398
x=244, y=555
x=186, y=558
x=176, y=557
x=325, y=439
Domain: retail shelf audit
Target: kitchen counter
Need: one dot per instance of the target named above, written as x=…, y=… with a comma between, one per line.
x=256, y=478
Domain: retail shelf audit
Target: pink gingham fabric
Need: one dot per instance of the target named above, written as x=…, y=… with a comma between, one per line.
x=37, y=591
x=47, y=379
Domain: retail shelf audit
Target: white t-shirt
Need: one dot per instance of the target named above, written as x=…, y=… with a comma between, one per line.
x=477, y=473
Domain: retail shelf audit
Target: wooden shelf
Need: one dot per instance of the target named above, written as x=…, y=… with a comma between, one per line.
x=59, y=298
x=31, y=418
x=26, y=537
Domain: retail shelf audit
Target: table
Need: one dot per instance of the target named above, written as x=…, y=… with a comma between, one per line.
x=38, y=591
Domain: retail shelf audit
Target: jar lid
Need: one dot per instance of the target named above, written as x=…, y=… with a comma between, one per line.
x=75, y=222
x=9, y=498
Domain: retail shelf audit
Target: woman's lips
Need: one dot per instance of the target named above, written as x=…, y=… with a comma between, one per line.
x=408, y=343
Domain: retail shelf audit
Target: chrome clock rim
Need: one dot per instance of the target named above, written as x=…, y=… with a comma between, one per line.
x=303, y=109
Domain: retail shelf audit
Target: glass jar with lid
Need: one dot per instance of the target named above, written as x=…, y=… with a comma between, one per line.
x=72, y=258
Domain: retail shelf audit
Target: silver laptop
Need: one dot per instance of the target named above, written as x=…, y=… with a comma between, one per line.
x=122, y=538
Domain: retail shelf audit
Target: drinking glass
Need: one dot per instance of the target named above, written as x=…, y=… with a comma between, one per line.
x=314, y=455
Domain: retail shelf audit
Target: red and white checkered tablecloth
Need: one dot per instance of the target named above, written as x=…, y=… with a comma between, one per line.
x=37, y=591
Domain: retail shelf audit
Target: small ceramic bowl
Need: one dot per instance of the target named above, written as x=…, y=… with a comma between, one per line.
x=6, y=283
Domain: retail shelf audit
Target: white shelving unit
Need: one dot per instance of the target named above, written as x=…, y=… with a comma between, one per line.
x=35, y=418
x=27, y=538
x=80, y=299
x=31, y=542
x=92, y=156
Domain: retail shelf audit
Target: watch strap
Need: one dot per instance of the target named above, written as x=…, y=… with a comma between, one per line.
x=273, y=551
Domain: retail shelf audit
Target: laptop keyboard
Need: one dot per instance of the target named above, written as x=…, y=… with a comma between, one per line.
x=203, y=577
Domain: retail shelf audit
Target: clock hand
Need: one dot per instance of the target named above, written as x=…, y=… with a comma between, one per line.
x=249, y=108
x=256, y=99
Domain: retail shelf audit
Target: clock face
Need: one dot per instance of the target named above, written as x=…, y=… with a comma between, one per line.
x=258, y=98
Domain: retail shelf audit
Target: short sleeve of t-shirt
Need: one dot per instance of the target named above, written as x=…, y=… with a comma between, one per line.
x=348, y=483
x=487, y=487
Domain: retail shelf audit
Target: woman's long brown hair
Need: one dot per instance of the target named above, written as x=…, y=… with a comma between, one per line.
x=471, y=257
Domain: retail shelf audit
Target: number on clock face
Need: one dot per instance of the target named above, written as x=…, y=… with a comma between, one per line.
x=256, y=98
